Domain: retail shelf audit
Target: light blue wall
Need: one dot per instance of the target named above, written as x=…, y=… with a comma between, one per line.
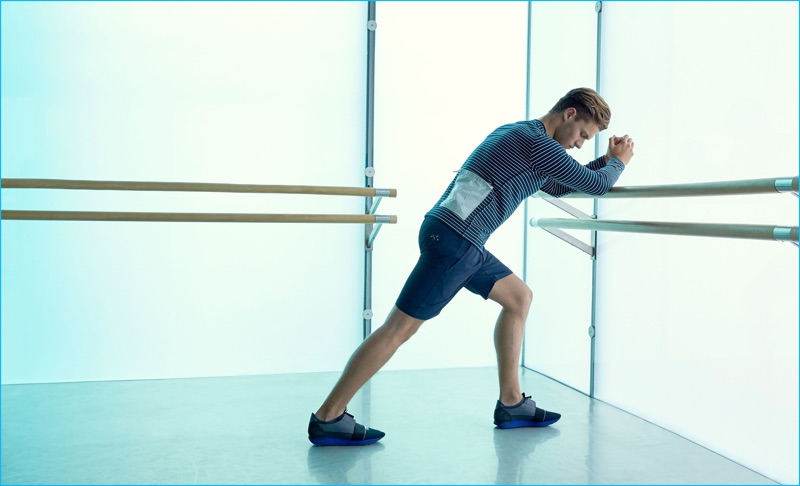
x=695, y=334
x=557, y=343
x=448, y=74
x=269, y=93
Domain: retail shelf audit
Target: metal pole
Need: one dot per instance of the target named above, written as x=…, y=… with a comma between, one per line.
x=773, y=185
x=369, y=170
x=714, y=230
x=525, y=207
x=592, y=344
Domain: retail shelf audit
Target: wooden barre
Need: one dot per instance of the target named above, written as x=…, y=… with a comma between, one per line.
x=194, y=187
x=196, y=217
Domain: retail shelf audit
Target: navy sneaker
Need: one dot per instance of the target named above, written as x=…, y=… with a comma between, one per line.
x=341, y=431
x=523, y=414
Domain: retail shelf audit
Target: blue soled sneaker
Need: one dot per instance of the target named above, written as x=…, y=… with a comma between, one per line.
x=341, y=431
x=523, y=414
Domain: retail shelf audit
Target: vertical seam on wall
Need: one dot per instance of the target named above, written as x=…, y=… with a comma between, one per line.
x=525, y=207
x=369, y=163
x=594, y=214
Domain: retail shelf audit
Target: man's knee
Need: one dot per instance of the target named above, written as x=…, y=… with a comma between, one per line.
x=401, y=326
x=523, y=298
x=527, y=297
x=512, y=294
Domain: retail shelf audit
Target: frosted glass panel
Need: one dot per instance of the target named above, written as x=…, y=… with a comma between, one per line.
x=556, y=342
x=447, y=74
x=270, y=93
x=700, y=335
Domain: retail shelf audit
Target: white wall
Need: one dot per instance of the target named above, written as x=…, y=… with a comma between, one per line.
x=699, y=335
x=557, y=342
x=222, y=98
x=270, y=93
x=447, y=74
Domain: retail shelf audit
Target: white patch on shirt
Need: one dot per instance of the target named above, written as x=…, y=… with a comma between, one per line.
x=468, y=193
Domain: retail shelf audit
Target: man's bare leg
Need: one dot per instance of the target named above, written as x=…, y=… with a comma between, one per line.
x=515, y=297
x=367, y=359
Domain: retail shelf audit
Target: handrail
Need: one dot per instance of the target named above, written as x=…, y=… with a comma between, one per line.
x=724, y=188
x=195, y=217
x=194, y=187
x=753, y=232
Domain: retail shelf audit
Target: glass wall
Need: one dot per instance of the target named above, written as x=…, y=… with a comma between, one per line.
x=699, y=335
x=447, y=74
x=190, y=92
x=557, y=342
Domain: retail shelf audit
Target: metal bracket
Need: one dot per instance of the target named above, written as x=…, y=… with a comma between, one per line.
x=598, y=7
x=784, y=235
x=784, y=185
x=372, y=25
x=586, y=248
x=564, y=236
x=375, y=203
x=567, y=208
x=379, y=220
x=369, y=172
x=367, y=314
x=591, y=331
x=371, y=239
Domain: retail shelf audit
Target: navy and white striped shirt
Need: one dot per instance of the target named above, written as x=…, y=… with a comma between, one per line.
x=513, y=163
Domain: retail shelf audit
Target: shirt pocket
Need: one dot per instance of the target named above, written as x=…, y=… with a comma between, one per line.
x=468, y=193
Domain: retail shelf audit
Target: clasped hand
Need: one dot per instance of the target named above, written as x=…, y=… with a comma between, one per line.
x=620, y=148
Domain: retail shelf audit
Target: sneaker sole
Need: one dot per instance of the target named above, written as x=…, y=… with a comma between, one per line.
x=525, y=423
x=342, y=442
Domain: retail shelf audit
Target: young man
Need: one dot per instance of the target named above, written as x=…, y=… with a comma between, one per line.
x=514, y=162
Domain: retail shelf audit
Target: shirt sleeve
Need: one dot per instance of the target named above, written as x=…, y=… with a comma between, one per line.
x=566, y=175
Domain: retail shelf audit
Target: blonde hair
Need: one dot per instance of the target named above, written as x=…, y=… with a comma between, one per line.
x=589, y=105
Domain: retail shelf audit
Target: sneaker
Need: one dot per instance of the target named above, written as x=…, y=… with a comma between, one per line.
x=523, y=414
x=342, y=431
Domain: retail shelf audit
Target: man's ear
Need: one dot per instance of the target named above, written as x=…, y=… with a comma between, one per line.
x=570, y=113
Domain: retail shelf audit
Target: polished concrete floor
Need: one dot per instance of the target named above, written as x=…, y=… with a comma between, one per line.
x=253, y=430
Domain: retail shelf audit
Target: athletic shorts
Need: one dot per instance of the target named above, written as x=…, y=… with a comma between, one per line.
x=447, y=263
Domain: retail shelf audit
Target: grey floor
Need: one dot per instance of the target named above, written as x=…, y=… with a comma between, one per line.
x=253, y=430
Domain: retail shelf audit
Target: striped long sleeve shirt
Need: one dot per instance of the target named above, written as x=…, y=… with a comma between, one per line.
x=513, y=163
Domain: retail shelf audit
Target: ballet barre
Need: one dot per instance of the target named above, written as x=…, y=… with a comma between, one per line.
x=195, y=217
x=369, y=218
x=743, y=187
x=750, y=232
x=194, y=187
x=725, y=188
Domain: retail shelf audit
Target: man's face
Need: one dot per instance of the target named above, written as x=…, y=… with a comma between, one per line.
x=573, y=132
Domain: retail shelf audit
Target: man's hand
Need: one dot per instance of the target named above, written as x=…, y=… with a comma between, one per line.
x=621, y=148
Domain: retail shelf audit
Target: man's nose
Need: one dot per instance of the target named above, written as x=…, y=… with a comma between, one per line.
x=579, y=143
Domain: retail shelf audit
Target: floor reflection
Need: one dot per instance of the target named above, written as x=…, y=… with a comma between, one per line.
x=515, y=450
x=342, y=465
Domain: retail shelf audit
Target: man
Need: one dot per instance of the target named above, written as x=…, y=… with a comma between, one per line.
x=514, y=162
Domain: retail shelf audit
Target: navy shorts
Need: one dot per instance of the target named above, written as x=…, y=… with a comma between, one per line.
x=447, y=263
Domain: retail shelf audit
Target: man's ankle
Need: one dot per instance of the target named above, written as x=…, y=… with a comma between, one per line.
x=326, y=415
x=511, y=399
